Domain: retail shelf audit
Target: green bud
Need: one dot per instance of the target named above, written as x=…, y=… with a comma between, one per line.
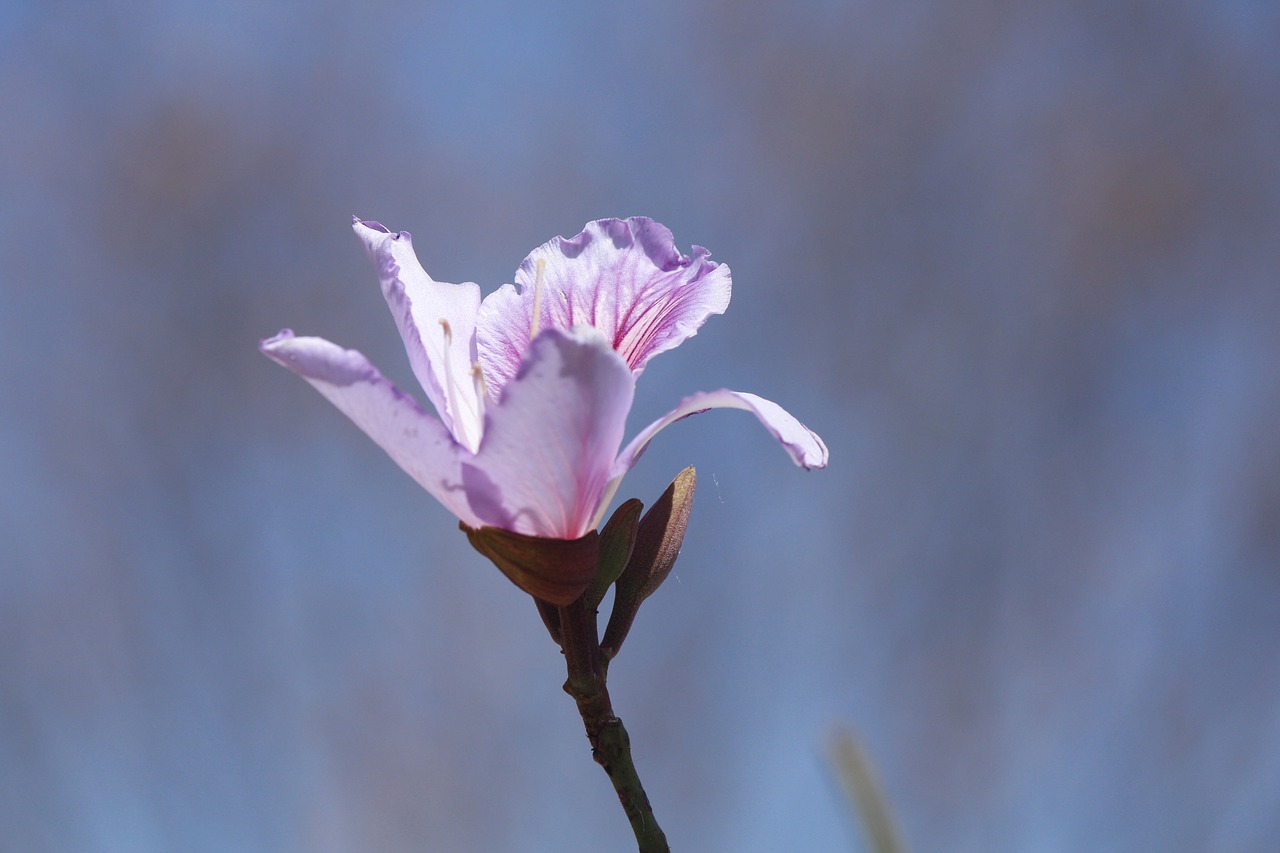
x=616, y=542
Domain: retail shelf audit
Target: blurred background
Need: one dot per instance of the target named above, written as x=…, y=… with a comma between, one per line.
x=1017, y=263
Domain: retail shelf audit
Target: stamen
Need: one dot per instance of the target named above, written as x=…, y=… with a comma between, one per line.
x=451, y=394
x=482, y=390
x=477, y=376
x=537, y=300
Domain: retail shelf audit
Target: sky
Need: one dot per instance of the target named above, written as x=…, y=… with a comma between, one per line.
x=1016, y=263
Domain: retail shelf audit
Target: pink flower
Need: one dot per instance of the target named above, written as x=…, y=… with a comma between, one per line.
x=533, y=384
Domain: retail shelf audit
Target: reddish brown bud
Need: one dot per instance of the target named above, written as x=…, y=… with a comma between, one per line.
x=657, y=544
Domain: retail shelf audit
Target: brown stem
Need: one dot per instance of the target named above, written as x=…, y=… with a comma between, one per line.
x=610, y=745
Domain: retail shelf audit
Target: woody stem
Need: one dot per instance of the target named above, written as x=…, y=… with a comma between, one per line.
x=610, y=745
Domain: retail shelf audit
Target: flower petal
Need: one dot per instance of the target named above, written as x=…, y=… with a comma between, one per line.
x=550, y=444
x=625, y=277
x=441, y=359
x=803, y=445
x=418, y=442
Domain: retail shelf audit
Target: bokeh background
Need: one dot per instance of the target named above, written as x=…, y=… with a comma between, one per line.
x=1018, y=263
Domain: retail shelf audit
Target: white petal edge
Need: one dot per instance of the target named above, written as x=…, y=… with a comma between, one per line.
x=802, y=444
x=442, y=363
x=416, y=441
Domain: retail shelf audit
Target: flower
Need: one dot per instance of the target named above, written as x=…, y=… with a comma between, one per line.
x=533, y=384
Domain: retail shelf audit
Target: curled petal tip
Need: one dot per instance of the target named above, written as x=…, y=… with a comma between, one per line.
x=372, y=232
x=266, y=345
x=810, y=453
x=802, y=444
x=372, y=224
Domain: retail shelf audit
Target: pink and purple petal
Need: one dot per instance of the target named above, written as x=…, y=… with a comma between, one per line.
x=802, y=444
x=416, y=441
x=550, y=444
x=625, y=277
x=441, y=359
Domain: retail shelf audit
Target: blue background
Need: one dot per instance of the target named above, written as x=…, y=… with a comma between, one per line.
x=1018, y=263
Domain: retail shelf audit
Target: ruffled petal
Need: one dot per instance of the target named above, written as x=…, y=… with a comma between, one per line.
x=803, y=445
x=418, y=442
x=441, y=358
x=550, y=445
x=625, y=277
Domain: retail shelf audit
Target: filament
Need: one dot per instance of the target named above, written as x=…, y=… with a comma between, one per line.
x=482, y=390
x=451, y=393
x=537, y=300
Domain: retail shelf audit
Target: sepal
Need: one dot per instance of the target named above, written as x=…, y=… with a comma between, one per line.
x=658, y=540
x=617, y=540
x=557, y=571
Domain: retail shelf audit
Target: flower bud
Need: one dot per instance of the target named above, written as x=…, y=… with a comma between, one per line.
x=617, y=540
x=657, y=544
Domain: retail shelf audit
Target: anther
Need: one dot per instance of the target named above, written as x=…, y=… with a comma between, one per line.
x=477, y=378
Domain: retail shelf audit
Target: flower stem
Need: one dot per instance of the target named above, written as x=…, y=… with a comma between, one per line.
x=610, y=745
